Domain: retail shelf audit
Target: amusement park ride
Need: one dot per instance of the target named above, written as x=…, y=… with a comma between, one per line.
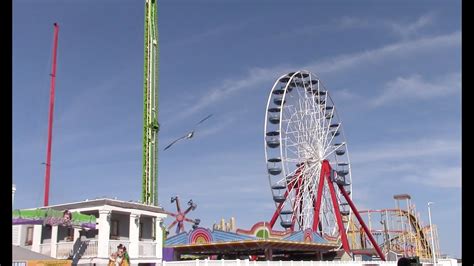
x=180, y=217
x=309, y=172
x=150, y=104
x=307, y=160
x=308, y=167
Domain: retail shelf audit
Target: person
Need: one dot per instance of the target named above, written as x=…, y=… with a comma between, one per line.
x=67, y=215
x=125, y=254
x=67, y=218
x=403, y=261
x=118, y=258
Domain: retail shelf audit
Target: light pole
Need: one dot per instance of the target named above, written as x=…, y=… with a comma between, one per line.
x=433, y=251
x=13, y=193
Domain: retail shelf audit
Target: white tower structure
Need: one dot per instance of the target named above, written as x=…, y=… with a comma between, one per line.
x=13, y=193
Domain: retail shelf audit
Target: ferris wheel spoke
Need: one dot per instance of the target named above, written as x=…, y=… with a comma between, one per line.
x=333, y=149
x=330, y=138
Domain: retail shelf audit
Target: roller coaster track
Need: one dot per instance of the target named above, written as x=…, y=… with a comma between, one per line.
x=421, y=238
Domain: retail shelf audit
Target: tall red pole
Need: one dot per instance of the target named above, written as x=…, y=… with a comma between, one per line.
x=50, y=122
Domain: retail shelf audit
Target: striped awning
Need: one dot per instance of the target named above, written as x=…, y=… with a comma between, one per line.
x=249, y=246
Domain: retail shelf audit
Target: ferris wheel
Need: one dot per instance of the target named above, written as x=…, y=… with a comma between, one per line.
x=306, y=152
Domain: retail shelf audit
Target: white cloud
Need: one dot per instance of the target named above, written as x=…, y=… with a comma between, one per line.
x=403, y=48
x=352, y=22
x=219, y=30
x=384, y=152
x=415, y=87
x=336, y=24
x=431, y=161
x=410, y=29
x=258, y=76
x=403, y=30
x=346, y=94
x=443, y=177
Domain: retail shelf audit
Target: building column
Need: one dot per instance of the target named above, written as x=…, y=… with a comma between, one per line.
x=159, y=238
x=77, y=234
x=134, y=234
x=104, y=233
x=37, y=232
x=54, y=240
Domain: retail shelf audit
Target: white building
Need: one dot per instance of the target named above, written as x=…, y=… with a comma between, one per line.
x=118, y=222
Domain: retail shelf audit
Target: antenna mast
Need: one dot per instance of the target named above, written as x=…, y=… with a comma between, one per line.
x=50, y=122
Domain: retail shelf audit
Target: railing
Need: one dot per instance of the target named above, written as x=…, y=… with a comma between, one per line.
x=64, y=250
x=45, y=249
x=91, y=247
x=146, y=249
x=284, y=263
x=83, y=249
x=88, y=248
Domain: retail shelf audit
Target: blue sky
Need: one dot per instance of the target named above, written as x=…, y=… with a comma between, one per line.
x=393, y=70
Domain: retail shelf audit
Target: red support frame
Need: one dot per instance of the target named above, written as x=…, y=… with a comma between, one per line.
x=50, y=121
x=371, y=238
x=278, y=210
x=297, y=201
x=337, y=212
x=280, y=206
x=317, y=207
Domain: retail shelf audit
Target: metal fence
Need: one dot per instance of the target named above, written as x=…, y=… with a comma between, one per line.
x=292, y=263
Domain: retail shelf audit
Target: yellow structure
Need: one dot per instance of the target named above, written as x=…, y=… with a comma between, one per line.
x=398, y=230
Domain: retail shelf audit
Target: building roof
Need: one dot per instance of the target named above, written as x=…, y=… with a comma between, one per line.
x=20, y=253
x=203, y=241
x=247, y=246
x=105, y=201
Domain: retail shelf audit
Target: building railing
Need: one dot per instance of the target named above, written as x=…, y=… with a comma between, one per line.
x=64, y=249
x=287, y=263
x=146, y=249
x=45, y=249
x=83, y=249
x=91, y=247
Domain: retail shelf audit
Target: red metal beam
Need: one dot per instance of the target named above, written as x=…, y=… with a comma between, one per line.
x=297, y=193
x=50, y=121
x=278, y=210
x=367, y=231
x=317, y=206
x=280, y=206
x=342, y=231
